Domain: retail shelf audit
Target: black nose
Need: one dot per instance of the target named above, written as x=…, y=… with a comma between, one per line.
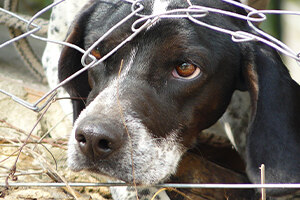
x=97, y=140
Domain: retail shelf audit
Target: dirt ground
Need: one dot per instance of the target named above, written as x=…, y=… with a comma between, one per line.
x=43, y=159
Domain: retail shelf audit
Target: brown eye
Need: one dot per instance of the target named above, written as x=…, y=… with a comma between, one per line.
x=95, y=52
x=186, y=71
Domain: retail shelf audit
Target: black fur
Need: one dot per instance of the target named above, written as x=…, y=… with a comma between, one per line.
x=273, y=137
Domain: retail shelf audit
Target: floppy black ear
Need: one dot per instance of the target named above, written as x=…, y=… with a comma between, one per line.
x=274, y=133
x=70, y=62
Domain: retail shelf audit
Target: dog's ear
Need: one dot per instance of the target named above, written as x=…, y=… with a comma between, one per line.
x=274, y=132
x=70, y=62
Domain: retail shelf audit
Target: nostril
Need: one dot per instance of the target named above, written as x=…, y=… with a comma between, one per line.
x=80, y=138
x=97, y=140
x=104, y=145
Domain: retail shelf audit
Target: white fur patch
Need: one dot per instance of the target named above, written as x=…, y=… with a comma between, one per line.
x=128, y=193
x=159, y=7
x=155, y=159
x=128, y=65
x=229, y=134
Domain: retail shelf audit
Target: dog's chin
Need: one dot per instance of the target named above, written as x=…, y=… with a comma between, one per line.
x=119, y=175
x=130, y=179
x=121, y=171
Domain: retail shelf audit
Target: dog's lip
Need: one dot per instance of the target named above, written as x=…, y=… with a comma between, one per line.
x=76, y=169
x=79, y=166
x=96, y=170
x=101, y=173
x=132, y=180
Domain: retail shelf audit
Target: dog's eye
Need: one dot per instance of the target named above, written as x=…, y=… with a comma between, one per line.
x=96, y=52
x=186, y=71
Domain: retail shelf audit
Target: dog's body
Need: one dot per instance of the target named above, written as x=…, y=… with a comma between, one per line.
x=137, y=125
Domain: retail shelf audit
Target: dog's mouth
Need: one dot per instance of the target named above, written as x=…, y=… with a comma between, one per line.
x=128, y=173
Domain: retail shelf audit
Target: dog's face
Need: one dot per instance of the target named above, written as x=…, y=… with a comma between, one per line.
x=167, y=91
x=148, y=101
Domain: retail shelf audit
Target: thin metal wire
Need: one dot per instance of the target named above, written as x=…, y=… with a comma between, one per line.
x=37, y=28
x=29, y=105
x=231, y=186
x=171, y=185
x=285, y=49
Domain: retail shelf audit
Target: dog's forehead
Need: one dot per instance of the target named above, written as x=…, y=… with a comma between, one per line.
x=105, y=14
x=100, y=21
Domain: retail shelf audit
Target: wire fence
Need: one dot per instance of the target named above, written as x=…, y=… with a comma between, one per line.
x=189, y=13
x=31, y=27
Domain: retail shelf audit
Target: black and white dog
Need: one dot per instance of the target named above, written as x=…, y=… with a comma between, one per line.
x=176, y=79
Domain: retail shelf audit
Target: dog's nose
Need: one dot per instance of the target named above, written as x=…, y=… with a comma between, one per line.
x=95, y=141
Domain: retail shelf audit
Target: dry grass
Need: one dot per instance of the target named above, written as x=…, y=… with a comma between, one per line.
x=43, y=158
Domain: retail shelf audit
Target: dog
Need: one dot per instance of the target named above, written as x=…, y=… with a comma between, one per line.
x=177, y=79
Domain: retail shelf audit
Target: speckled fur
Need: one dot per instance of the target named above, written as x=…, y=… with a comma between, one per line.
x=61, y=18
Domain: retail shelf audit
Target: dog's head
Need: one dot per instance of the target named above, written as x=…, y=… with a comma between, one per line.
x=146, y=103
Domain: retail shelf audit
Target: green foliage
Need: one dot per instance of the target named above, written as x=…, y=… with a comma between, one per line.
x=32, y=6
x=38, y=3
x=273, y=23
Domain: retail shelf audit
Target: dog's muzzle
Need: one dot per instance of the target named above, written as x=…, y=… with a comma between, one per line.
x=107, y=142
